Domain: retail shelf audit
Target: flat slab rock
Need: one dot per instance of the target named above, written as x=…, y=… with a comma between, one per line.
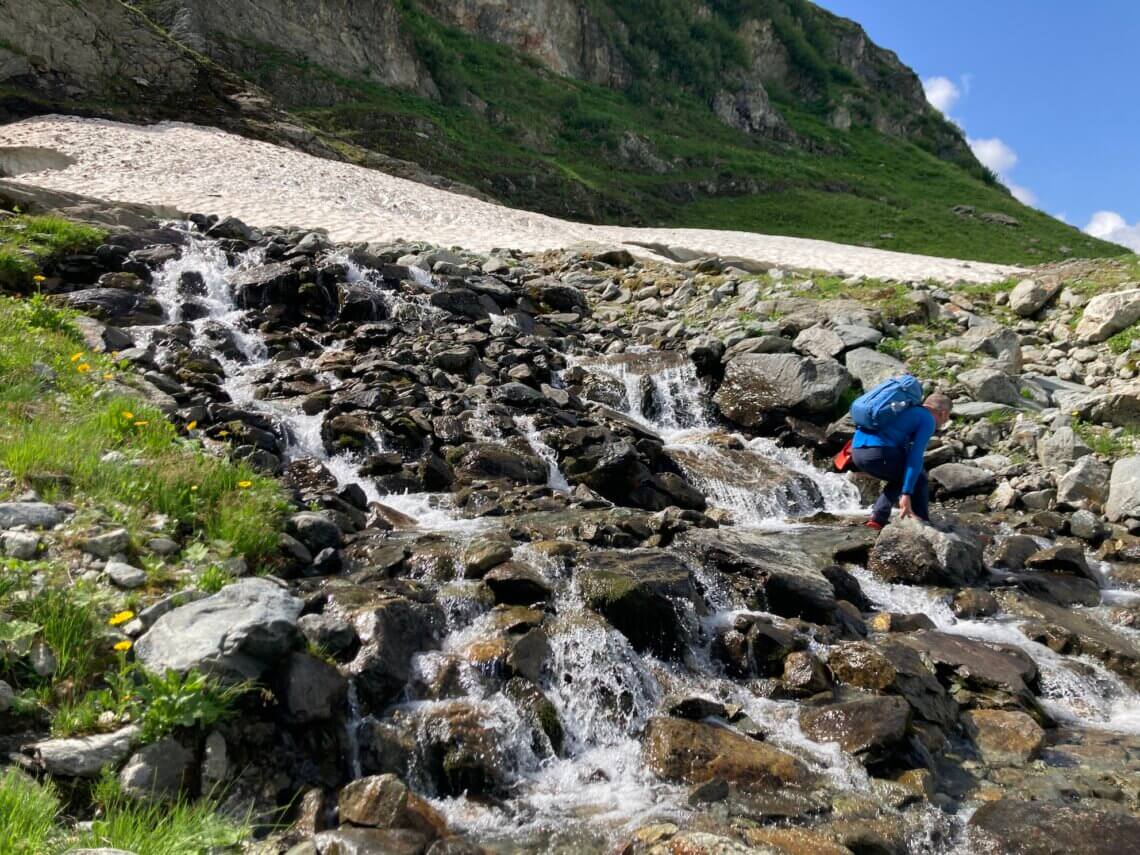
x=1043, y=828
x=235, y=634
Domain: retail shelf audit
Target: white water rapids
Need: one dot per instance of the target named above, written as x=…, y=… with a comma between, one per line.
x=603, y=690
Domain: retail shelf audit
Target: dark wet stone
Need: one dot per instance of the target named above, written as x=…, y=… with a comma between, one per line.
x=1043, y=828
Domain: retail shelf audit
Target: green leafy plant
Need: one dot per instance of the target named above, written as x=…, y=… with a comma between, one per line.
x=171, y=700
x=214, y=578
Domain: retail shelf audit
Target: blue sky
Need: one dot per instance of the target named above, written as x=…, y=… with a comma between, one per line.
x=1046, y=90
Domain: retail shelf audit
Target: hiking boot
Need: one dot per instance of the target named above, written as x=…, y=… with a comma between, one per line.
x=877, y=526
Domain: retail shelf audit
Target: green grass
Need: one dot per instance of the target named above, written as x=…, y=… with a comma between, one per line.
x=31, y=822
x=55, y=434
x=28, y=812
x=539, y=141
x=26, y=242
x=1122, y=342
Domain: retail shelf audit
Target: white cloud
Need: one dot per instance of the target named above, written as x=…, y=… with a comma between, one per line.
x=995, y=154
x=1062, y=216
x=1109, y=225
x=942, y=93
x=1022, y=194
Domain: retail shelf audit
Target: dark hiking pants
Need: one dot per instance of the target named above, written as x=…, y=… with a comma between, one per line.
x=889, y=465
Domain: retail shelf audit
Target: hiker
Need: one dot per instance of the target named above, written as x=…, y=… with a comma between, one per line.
x=891, y=435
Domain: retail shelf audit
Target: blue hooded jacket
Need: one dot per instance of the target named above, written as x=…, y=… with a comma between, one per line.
x=910, y=430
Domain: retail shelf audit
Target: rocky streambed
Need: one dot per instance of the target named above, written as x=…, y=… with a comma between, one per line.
x=565, y=572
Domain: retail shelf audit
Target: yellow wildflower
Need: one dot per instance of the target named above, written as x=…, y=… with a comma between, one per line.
x=121, y=617
x=75, y=357
x=245, y=485
x=123, y=646
x=141, y=424
x=193, y=488
x=223, y=433
x=83, y=367
x=108, y=376
x=191, y=425
x=128, y=415
x=37, y=278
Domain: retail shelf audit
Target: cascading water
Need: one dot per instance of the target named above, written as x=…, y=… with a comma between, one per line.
x=602, y=689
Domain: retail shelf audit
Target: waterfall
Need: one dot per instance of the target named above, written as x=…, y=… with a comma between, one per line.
x=554, y=477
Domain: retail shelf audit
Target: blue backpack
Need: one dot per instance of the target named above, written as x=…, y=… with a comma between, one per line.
x=874, y=410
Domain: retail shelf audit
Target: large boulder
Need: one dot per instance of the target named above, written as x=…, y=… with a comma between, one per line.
x=989, y=384
x=885, y=665
x=870, y=367
x=1087, y=482
x=778, y=574
x=1029, y=296
x=758, y=383
x=1048, y=828
x=30, y=514
x=868, y=726
x=978, y=673
x=1107, y=314
x=159, y=769
x=1004, y=737
x=696, y=752
x=961, y=479
x=1119, y=406
x=1124, y=489
x=643, y=593
x=116, y=306
x=913, y=553
x=234, y=635
x=268, y=285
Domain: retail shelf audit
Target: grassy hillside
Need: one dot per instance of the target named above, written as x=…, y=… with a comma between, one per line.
x=655, y=155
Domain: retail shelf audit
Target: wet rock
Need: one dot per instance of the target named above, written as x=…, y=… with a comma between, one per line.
x=972, y=603
x=370, y=841
x=1063, y=558
x=758, y=383
x=265, y=286
x=1011, y=552
x=804, y=675
x=981, y=669
x=641, y=592
x=315, y=530
x=1004, y=737
x=234, y=635
x=868, y=726
x=1087, y=526
x=782, y=574
x=485, y=553
x=159, y=769
x=30, y=514
x=87, y=756
x=961, y=479
x=392, y=629
x=378, y=801
x=116, y=306
x=489, y=460
x=1073, y=633
x=330, y=633
x=1044, y=828
x=1107, y=314
x=516, y=583
x=913, y=553
x=695, y=752
x=1124, y=489
x=309, y=688
x=775, y=489
x=886, y=665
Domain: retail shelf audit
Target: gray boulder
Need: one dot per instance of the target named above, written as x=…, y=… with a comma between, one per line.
x=1061, y=448
x=1124, y=489
x=123, y=575
x=913, y=553
x=1107, y=314
x=819, y=341
x=30, y=514
x=158, y=769
x=87, y=756
x=1029, y=296
x=310, y=689
x=870, y=367
x=1086, y=481
x=961, y=479
x=757, y=383
x=989, y=384
x=235, y=634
